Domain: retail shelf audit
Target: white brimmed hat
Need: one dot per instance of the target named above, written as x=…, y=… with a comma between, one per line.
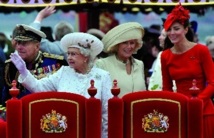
x=27, y=33
x=122, y=33
x=82, y=40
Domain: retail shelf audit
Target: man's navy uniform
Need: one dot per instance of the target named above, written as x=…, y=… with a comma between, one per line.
x=43, y=65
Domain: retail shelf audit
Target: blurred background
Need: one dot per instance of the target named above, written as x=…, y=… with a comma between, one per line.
x=105, y=16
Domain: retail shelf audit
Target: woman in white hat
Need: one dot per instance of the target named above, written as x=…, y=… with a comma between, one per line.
x=82, y=49
x=121, y=43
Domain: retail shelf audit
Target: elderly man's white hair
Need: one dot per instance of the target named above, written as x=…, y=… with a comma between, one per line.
x=62, y=28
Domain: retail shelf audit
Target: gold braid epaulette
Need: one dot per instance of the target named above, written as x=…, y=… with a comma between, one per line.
x=8, y=60
x=7, y=75
x=48, y=55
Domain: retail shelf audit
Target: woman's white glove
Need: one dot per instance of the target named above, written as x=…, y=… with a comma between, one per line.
x=19, y=63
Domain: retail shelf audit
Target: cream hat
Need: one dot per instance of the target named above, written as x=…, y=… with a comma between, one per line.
x=96, y=32
x=82, y=40
x=27, y=33
x=122, y=33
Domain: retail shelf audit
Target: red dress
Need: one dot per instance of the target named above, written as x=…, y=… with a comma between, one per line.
x=196, y=63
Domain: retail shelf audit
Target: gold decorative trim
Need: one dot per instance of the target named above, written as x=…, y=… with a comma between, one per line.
x=7, y=61
x=157, y=99
x=53, y=99
x=48, y=55
x=7, y=75
x=38, y=60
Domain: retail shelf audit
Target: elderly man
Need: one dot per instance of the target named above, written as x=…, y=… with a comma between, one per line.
x=27, y=45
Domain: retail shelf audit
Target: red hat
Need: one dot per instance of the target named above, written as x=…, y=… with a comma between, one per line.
x=179, y=14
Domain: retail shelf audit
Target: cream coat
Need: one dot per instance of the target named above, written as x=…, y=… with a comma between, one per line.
x=127, y=83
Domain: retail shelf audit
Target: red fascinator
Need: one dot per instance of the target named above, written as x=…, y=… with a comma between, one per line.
x=179, y=14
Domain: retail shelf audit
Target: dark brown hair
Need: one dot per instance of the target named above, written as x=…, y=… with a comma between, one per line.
x=189, y=35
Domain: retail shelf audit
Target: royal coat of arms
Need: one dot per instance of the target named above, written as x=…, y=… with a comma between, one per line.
x=155, y=122
x=53, y=122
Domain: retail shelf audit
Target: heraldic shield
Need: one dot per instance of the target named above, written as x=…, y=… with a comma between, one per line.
x=155, y=115
x=53, y=115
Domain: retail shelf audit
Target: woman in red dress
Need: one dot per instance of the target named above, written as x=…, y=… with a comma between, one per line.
x=187, y=62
